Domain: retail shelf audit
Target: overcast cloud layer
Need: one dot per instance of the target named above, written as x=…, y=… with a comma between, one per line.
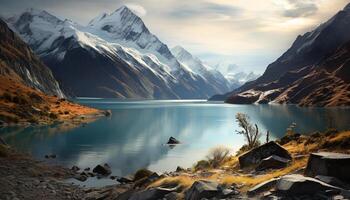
x=250, y=34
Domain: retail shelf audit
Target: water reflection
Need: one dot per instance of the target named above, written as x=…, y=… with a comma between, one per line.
x=134, y=136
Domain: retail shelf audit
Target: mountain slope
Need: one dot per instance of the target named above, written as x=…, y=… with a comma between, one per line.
x=195, y=65
x=114, y=56
x=24, y=63
x=303, y=75
x=28, y=91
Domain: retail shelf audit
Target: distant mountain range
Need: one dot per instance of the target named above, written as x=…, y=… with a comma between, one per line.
x=116, y=56
x=315, y=70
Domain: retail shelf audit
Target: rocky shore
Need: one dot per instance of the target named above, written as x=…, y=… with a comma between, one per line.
x=294, y=167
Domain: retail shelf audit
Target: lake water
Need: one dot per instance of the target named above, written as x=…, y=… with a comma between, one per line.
x=134, y=136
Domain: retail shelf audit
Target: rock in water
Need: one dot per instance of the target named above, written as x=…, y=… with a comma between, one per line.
x=255, y=155
x=103, y=170
x=272, y=162
x=297, y=184
x=75, y=168
x=329, y=164
x=172, y=140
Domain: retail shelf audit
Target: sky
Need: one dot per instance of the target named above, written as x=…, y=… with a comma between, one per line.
x=248, y=33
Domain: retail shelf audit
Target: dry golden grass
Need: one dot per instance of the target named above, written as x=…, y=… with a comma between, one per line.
x=183, y=182
x=229, y=172
x=249, y=181
x=49, y=106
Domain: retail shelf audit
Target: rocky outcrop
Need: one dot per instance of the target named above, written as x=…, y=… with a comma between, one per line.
x=296, y=184
x=205, y=189
x=102, y=169
x=272, y=162
x=256, y=155
x=329, y=164
x=18, y=60
x=262, y=187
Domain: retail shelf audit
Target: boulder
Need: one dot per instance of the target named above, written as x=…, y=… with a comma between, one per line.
x=202, y=189
x=75, y=168
x=272, y=162
x=329, y=164
x=296, y=184
x=333, y=181
x=205, y=189
x=151, y=194
x=255, y=155
x=179, y=169
x=262, y=187
x=172, y=140
x=102, y=169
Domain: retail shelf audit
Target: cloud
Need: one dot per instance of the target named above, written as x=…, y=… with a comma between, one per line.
x=300, y=8
x=138, y=9
x=206, y=10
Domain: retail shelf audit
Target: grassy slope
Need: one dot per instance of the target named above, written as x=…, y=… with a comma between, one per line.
x=22, y=104
x=229, y=172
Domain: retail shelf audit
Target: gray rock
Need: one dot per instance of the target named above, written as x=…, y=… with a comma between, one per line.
x=102, y=170
x=272, y=162
x=255, y=155
x=297, y=184
x=329, y=164
x=332, y=181
x=202, y=189
x=75, y=168
x=151, y=194
x=205, y=189
x=262, y=187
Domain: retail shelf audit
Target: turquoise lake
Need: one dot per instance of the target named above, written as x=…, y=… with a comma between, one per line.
x=134, y=136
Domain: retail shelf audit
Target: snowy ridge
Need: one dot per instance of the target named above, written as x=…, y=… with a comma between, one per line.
x=121, y=36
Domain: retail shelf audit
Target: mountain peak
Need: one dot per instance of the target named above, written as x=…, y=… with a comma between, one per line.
x=124, y=8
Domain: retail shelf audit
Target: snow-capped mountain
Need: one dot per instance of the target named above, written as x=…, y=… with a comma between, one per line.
x=242, y=77
x=115, y=55
x=195, y=65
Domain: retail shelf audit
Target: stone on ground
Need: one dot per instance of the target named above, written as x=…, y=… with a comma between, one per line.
x=272, y=162
x=205, y=189
x=297, y=184
x=102, y=169
x=255, y=155
x=262, y=187
x=329, y=164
